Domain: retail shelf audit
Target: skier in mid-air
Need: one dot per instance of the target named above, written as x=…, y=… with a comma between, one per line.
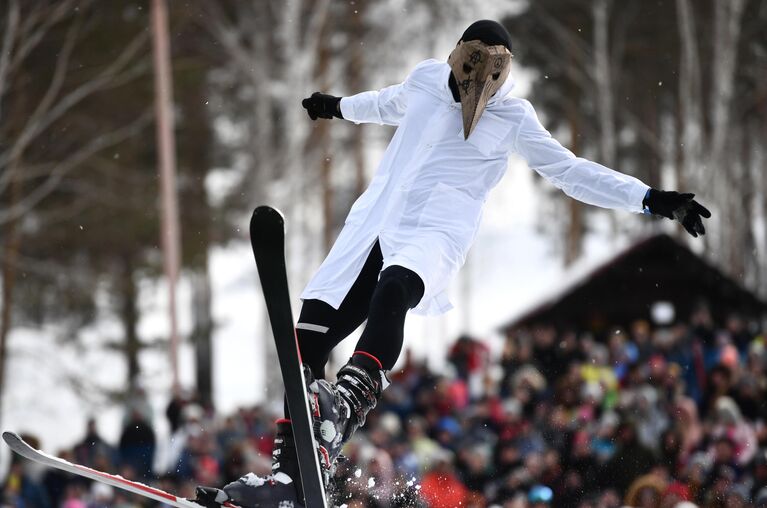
x=408, y=234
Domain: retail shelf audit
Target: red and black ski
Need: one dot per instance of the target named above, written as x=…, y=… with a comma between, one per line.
x=267, y=236
x=24, y=449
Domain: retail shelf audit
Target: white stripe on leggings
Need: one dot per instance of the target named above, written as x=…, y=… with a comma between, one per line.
x=312, y=328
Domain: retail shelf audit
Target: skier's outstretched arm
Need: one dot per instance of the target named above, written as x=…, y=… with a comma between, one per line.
x=598, y=185
x=385, y=106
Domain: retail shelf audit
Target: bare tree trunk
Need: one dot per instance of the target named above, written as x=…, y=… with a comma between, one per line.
x=201, y=333
x=321, y=138
x=603, y=75
x=195, y=159
x=6, y=49
x=129, y=315
x=604, y=88
x=737, y=205
x=748, y=249
x=11, y=250
x=576, y=228
x=727, y=22
x=690, y=170
x=326, y=170
x=166, y=143
x=758, y=163
x=729, y=187
x=690, y=96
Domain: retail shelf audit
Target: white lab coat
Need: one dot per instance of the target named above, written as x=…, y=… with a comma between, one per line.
x=425, y=201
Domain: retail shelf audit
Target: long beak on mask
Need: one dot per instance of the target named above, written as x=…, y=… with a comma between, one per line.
x=479, y=71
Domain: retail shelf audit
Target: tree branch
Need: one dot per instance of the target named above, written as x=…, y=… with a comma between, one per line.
x=31, y=34
x=48, y=19
x=59, y=73
x=101, y=81
x=74, y=160
x=7, y=47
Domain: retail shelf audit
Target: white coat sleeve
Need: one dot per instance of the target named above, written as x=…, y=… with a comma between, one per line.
x=385, y=106
x=579, y=178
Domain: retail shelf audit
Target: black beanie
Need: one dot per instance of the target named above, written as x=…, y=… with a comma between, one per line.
x=490, y=32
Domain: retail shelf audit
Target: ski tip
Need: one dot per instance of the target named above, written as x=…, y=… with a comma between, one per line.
x=8, y=435
x=11, y=437
x=267, y=211
x=266, y=226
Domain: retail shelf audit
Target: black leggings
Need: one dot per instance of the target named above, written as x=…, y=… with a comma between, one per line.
x=383, y=301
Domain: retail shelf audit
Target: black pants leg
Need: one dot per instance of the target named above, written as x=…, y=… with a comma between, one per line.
x=383, y=301
x=320, y=327
x=398, y=290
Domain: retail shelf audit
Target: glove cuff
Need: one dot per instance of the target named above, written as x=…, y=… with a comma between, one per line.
x=645, y=206
x=335, y=107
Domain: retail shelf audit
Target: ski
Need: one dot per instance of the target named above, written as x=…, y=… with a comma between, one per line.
x=267, y=237
x=23, y=448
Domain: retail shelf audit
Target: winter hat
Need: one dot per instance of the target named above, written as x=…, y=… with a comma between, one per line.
x=490, y=32
x=679, y=490
x=540, y=494
x=449, y=425
x=727, y=410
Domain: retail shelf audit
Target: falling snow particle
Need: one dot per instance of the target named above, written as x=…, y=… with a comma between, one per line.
x=357, y=473
x=371, y=483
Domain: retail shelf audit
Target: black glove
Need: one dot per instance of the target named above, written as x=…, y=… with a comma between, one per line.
x=676, y=206
x=321, y=105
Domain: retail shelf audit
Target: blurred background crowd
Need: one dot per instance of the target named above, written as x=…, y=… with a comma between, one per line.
x=648, y=416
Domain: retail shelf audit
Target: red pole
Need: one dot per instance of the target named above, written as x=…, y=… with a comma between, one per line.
x=166, y=143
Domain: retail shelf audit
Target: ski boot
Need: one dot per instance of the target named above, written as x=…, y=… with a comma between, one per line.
x=337, y=410
x=280, y=489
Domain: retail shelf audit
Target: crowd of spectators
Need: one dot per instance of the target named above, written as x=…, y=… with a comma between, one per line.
x=648, y=416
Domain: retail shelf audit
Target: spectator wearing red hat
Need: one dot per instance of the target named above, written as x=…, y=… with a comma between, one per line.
x=441, y=487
